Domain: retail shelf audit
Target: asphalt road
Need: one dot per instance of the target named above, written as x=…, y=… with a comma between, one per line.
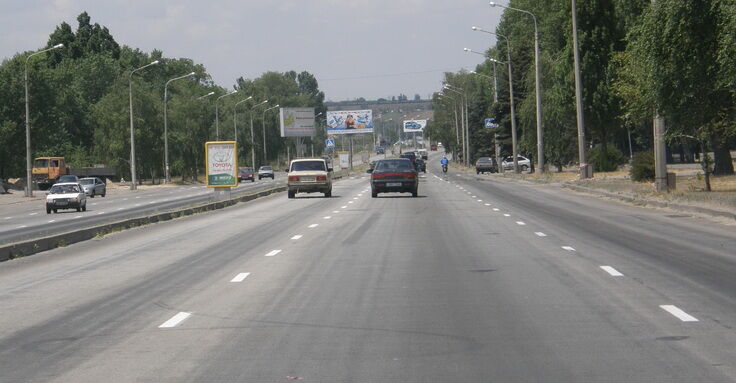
x=29, y=220
x=474, y=281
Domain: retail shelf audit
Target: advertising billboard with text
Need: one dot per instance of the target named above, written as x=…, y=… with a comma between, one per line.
x=350, y=121
x=414, y=126
x=297, y=122
x=221, y=164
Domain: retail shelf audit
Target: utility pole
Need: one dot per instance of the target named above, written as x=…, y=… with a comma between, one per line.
x=660, y=151
x=584, y=167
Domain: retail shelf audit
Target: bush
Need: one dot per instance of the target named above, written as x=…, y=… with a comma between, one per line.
x=642, y=167
x=606, y=161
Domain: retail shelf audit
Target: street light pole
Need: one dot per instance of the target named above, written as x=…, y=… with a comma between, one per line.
x=235, y=119
x=167, y=177
x=252, y=139
x=263, y=132
x=29, y=176
x=454, y=109
x=537, y=85
x=133, y=177
x=217, y=113
x=463, y=120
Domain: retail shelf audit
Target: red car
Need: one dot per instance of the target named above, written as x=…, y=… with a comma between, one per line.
x=396, y=175
x=433, y=147
x=246, y=174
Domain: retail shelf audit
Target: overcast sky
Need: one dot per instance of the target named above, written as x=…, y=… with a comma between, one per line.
x=355, y=48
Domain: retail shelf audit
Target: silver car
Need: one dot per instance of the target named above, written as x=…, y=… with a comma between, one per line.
x=265, y=171
x=93, y=186
x=69, y=195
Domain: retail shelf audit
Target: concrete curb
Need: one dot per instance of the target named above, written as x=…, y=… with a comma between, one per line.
x=30, y=247
x=635, y=200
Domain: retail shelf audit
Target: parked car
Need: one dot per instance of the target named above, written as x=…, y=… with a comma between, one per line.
x=433, y=147
x=396, y=175
x=68, y=178
x=411, y=156
x=486, y=164
x=524, y=163
x=309, y=175
x=420, y=165
x=423, y=153
x=93, y=186
x=246, y=173
x=380, y=150
x=265, y=171
x=67, y=195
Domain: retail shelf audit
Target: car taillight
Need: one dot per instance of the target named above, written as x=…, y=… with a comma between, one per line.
x=293, y=178
x=409, y=175
x=321, y=178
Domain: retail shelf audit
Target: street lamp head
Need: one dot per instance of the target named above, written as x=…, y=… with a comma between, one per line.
x=473, y=72
x=466, y=49
x=249, y=97
x=191, y=74
x=154, y=63
x=493, y=4
x=474, y=28
x=58, y=46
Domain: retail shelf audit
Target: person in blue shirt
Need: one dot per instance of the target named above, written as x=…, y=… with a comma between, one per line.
x=444, y=161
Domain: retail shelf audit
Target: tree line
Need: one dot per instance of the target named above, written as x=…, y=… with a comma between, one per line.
x=672, y=58
x=79, y=106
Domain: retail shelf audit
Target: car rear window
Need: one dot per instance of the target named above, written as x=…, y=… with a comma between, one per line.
x=308, y=165
x=394, y=165
x=89, y=181
x=266, y=168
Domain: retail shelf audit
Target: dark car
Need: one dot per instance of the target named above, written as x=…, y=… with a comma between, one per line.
x=411, y=156
x=420, y=165
x=68, y=178
x=486, y=164
x=380, y=150
x=246, y=174
x=433, y=147
x=394, y=176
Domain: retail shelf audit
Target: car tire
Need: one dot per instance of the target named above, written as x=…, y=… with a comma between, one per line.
x=84, y=208
x=79, y=208
x=252, y=180
x=55, y=211
x=48, y=211
x=103, y=194
x=415, y=193
x=524, y=168
x=92, y=195
x=328, y=193
x=374, y=194
x=291, y=194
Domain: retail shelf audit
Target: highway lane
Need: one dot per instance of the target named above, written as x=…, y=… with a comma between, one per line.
x=29, y=219
x=456, y=285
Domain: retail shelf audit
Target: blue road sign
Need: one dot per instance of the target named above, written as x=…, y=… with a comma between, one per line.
x=330, y=143
x=491, y=123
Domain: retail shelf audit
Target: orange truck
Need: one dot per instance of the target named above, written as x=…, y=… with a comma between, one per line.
x=47, y=170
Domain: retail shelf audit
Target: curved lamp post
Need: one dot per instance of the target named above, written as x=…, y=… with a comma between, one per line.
x=133, y=177
x=537, y=85
x=29, y=181
x=167, y=177
x=263, y=131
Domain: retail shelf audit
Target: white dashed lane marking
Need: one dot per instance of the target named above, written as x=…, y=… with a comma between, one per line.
x=612, y=271
x=568, y=248
x=495, y=209
x=33, y=213
x=507, y=215
x=540, y=234
x=312, y=226
x=175, y=320
x=520, y=223
x=240, y=277
x=327, y=217
x=272, y=253
x=298, y=236
x=679, y=314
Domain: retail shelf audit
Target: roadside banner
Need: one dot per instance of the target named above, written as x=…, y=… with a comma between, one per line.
x=221, y=164
x=297, y=122
x=414, y=125
x=344, y=159
x=349, y=121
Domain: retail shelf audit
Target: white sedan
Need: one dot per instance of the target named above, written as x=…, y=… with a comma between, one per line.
x=68, y=195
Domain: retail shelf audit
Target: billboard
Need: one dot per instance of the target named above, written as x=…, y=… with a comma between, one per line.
x=221, y=164
x=414, y=125
x=349, y=121
x=297, y=122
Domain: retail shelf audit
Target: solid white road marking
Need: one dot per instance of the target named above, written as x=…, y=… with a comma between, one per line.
x=100, y=213
x=33, y=213
x=520, y=223
x=272, y=253
x=681, y=315
x=297, y=236
x=22, y=226
x=240, y=277
x=175, y=320
x=79, y=216
x=507, y=215
x=312, y=226
x=52, y=221
x=327, y=217
x=540, y=234
x=612, y=271
x=568, y=248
